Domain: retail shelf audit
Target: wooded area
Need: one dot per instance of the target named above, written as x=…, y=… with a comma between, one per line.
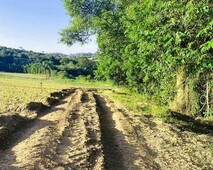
x=63, y=66
x=162, y=49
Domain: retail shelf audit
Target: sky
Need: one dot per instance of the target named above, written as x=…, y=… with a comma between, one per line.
x=34, y=25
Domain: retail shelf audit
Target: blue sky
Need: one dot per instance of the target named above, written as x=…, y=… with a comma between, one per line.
x=34, y=25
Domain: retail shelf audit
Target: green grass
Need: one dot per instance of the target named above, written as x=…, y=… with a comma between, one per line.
x=57, y=83
x=137, y=102
x=16, y=90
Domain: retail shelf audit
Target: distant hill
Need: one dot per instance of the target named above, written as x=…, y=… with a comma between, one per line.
x=23, y=61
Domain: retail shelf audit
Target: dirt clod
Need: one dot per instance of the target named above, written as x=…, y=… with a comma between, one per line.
x=36, y=106
x=8, y=125
x=52, y=101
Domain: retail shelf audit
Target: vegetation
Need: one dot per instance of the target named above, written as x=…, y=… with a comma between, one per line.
x=161, y=49
x=22, y=61
x=137, y=102
x=16, y=90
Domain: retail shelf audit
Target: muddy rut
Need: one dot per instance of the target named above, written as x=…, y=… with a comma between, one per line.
x=86, y=130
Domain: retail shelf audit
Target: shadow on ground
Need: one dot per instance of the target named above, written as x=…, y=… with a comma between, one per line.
x=117, y=150
x=188, y=123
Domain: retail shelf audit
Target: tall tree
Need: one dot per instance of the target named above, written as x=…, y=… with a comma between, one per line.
x=149, y=46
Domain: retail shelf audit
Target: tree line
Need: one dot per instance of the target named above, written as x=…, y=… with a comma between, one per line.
x=162, y=49
x=22, y=61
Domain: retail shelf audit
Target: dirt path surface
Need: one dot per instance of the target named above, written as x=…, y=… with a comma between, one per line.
x=87, y=130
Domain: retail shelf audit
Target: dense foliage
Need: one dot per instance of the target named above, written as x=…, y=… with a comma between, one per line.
x=22, y=61
x=160, y=48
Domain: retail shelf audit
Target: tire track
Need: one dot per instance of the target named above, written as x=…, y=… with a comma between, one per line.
x=71, y=151
x=142, y=155
x=86, y=132
x=118, y=152
x=94, y=144
x=80, y=145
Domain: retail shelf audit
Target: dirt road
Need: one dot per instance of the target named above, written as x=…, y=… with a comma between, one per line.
x=89, y=131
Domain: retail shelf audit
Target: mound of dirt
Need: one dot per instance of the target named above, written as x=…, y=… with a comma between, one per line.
x=67, y=91
x=57, y=95
x=36, y=106
x=52, y=101
x=61, y=94
x=8, y=125
x=92, y=90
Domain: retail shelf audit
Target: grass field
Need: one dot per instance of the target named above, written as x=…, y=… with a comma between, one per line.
x=16, y=90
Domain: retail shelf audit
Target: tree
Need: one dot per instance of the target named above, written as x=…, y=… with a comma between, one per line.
x=141, y=42
x=103, y=19
x=86, y=14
